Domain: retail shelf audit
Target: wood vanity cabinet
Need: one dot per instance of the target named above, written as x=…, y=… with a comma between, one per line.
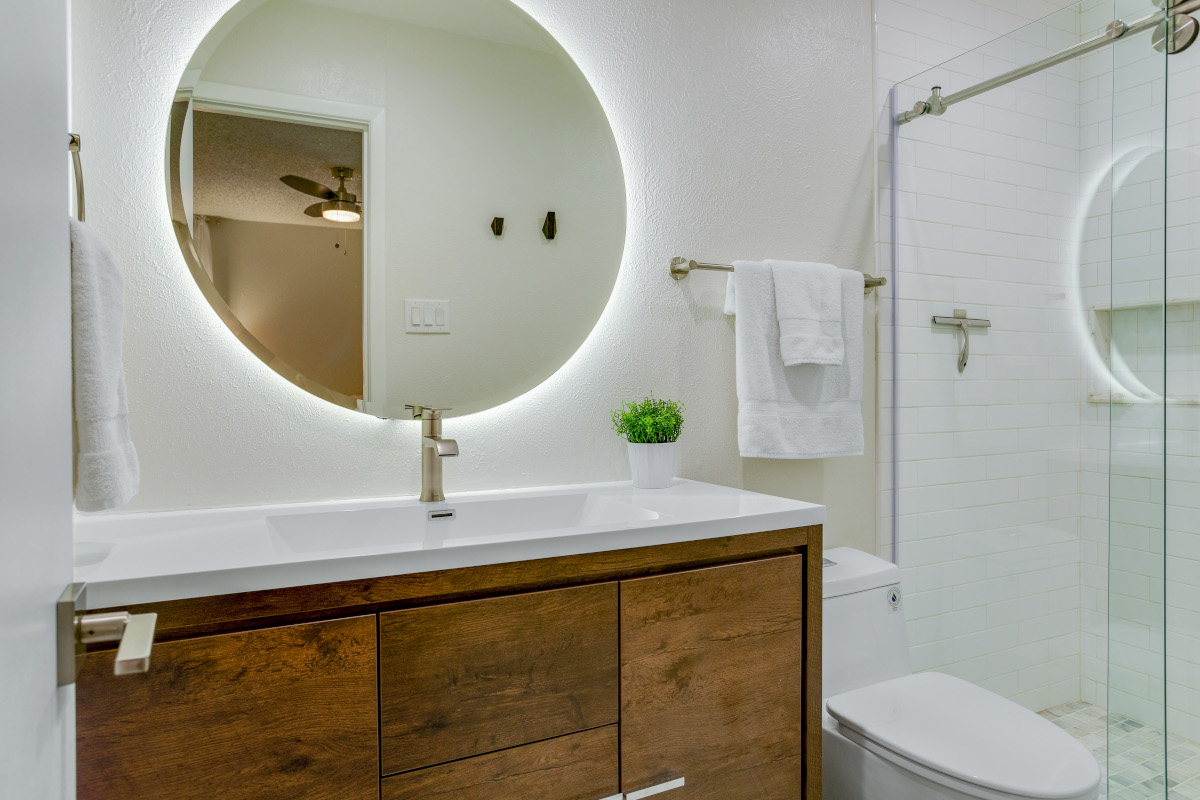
x=576, y=678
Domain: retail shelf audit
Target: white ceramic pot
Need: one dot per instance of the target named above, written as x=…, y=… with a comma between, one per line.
x=653, y=465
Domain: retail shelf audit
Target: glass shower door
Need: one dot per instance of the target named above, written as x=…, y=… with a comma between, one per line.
x=1129, y=312
x=1030, y=486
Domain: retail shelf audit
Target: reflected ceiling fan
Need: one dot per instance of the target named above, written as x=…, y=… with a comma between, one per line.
x=335, y=206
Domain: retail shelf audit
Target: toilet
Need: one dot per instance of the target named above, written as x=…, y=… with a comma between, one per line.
x=890, y=734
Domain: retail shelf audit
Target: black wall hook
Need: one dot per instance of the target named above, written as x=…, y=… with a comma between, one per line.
x=498, y=226
x=550, y=227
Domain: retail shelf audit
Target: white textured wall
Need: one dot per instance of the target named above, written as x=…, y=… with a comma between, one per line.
x=731, y=150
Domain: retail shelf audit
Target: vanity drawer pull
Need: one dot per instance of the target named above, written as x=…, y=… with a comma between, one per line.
x=653, y=790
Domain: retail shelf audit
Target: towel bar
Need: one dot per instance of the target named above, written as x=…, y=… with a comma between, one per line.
x=73, y=146
x=682, y=267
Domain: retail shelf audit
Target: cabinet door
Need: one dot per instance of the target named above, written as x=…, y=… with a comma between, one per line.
x=286, y=712
x=462, y=679
x=712, y=682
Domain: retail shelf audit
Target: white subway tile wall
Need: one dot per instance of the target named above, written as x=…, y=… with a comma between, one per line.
x=989, y=481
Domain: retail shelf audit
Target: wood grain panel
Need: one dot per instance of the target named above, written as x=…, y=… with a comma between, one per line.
x=712, y=685
x=582, y=766
x=285, y=712
x=223, y=613
x=814, y=570
x=466, y=678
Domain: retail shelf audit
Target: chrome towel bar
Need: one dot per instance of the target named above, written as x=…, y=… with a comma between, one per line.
x=682, y=267
x=73, y=146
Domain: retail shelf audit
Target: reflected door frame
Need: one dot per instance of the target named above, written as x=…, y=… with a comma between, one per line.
x=371, y=121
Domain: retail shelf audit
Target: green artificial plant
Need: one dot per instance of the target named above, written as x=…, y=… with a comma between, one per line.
x=651, y=421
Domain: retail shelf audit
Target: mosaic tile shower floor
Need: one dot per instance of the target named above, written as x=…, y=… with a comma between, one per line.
x=1136, y=763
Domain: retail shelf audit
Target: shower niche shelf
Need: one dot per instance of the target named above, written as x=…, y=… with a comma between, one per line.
x=1132, y=305
x=1102, y=399
x=1137, y=348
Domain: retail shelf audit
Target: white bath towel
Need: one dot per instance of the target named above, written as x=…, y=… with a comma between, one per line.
x=808, y=305
x=106, y=465
x=805, y=411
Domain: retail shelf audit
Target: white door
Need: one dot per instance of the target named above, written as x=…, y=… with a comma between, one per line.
x=36, y=717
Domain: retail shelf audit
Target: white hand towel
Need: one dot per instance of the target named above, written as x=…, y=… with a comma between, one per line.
x=805, y=411
x=106, y=467
x=808, y=305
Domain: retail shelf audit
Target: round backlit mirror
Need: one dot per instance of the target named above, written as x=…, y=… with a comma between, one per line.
x=396, y=202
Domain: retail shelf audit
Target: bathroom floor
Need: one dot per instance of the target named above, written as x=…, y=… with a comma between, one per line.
x=1136, y=762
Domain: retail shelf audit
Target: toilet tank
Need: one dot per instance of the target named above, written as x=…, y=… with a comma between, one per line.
x=864, y=640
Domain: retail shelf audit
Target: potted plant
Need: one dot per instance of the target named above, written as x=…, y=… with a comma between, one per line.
x=651, y=428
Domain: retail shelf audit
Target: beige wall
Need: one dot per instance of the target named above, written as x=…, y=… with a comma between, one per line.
x=732, y=149
x=297, y=293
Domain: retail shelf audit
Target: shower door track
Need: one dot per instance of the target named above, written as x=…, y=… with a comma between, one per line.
x=937, y=104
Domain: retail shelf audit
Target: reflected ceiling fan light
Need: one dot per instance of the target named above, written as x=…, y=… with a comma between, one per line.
x=339, y=206
x=340, y=211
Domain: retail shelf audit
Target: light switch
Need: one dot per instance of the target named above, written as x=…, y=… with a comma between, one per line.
x=427, y=316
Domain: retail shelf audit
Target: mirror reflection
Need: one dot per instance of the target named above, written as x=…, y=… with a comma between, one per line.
x=391, y=202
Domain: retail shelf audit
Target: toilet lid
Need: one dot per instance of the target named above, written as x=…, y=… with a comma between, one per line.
x=958, y=729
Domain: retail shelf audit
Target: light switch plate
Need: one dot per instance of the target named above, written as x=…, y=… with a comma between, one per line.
x=418, y=312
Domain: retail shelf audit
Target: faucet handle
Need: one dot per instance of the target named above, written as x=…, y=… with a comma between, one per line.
x=420, y=411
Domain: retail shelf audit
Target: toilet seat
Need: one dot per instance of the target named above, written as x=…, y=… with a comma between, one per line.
x=964, y=737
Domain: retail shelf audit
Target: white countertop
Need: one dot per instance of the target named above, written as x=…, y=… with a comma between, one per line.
x=128, y=559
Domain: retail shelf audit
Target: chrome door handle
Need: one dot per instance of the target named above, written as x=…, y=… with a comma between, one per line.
x=653, y=790
x=135, y=632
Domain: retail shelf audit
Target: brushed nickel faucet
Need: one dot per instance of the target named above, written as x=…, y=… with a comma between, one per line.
x=433, y=449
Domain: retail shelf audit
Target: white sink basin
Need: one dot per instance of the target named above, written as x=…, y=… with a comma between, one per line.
x=130, y=559
x=454, y=523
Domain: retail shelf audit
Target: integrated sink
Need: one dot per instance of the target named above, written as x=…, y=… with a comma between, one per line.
x=130, y=559
x=453, y=524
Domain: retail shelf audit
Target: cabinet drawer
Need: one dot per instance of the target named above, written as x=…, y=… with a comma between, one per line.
x=581, y=766
x=468, y=678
